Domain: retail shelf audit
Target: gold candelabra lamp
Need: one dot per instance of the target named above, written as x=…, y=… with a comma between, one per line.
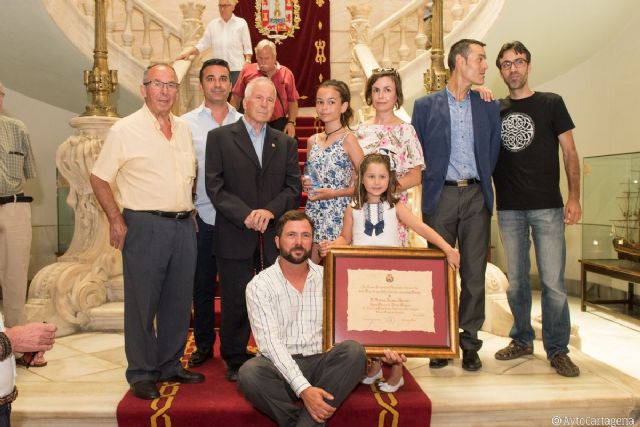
x=100, y=81
x=437, y=76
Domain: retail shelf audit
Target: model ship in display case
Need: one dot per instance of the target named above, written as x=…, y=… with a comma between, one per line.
x=626, y=230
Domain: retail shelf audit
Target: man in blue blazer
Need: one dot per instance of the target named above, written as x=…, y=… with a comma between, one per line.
x=252, y=177
x=460, y=136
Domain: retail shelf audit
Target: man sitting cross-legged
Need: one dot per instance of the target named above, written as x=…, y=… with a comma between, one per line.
x=284, y=303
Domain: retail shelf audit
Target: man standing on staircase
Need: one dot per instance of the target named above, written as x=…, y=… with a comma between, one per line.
x=527, y=180
x=285, y=110
x=460, y=136
x=252, y=177
x=148, y=156
x=215, y=111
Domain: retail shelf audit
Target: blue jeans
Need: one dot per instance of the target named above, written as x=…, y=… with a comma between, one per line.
x=5, y=415
x=547, y=228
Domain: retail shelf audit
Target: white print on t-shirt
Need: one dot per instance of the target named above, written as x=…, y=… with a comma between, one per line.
x=517, y=131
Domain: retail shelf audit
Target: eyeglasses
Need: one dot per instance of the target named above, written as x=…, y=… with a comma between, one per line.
x=384, y=71
x=518, y=62
x=157, y=84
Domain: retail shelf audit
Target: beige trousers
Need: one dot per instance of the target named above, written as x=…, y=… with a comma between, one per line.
x=15, y=247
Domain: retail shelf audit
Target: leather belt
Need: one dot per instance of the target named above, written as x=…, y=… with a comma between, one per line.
x=16, y=198
x=9, y=397
x=173, y=215
x=462, y=182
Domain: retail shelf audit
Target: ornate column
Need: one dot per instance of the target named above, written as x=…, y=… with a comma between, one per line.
x=89, y=274
x=358, y=34
x=437, y=76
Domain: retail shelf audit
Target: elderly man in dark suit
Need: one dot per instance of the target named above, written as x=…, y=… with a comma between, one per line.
x=252, y=177
x=460, y=136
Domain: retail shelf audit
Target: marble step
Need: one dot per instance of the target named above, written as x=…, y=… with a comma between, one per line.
x=107, y=317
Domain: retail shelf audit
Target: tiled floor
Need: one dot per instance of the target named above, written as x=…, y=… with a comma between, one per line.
x=84, y=381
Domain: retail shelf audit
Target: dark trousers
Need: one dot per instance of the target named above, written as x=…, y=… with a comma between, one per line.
x=5, y=415
x=337, y=372
x=204, y=288
x=462, y=215
x=159, y=262
x=279, y=124
x=234, y=276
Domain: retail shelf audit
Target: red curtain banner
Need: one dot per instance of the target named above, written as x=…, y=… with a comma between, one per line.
x=304, y=50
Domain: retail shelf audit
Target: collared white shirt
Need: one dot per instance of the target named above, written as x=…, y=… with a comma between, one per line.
x=16, y=157
x=150, y=171
x=230, y=41
x=286, y=322
x=257, y=139
x=201, y=122
x=7, y=369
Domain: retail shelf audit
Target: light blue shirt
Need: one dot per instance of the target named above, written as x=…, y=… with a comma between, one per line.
x=462, y=161
x=257, y=139
x=201, y=122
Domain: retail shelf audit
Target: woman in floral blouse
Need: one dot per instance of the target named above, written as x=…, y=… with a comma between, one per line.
x=386, y=133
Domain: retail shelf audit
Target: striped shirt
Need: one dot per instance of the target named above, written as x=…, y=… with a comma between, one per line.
x=16, y=158
x=284, y=321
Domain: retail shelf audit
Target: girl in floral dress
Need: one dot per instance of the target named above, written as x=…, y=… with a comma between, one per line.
x=332, y=156
x=387, y=134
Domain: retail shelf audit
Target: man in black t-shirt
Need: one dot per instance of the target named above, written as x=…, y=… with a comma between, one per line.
x=529, y=203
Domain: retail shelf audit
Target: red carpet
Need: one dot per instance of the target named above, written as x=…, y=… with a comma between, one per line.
x=217, y=402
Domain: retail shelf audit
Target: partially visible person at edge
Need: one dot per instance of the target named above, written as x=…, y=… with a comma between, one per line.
x=214, y=112
x=386, y=133
x=148, y=156
x=32, y=339
x=460, y=135
x=285, y=111
x=252, y=177
x=229, y=38
x=292, y=380
x=16, y=166
x=529, y=203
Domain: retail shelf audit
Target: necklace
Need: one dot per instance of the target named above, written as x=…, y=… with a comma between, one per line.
x=332, y=132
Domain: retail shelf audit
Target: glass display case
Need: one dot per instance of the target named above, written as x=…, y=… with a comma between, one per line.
x=611, y=207
x=611, y=231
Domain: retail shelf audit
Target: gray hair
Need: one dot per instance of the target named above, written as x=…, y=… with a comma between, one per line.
x=266, y=43
x=145, y=75
x=249, y=89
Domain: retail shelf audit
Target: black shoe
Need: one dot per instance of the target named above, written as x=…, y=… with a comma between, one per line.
x=438, y=363
x=145, y=389
x=185, y=377
x=470, y=360
x=231, y=374
x=200, y=356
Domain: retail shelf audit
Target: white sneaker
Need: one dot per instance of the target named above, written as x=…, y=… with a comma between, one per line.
x=388, y=388
x=372, y=379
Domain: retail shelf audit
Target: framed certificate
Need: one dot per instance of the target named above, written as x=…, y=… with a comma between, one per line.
x=399, y=298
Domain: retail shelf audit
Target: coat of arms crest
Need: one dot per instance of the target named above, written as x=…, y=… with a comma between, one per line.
x=277, y=19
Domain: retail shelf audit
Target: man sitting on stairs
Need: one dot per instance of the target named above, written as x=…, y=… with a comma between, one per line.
x=284, y=303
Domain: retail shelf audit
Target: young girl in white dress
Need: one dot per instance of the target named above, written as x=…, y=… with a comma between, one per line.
x=372, y=219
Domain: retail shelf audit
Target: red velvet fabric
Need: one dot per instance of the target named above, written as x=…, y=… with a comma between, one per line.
x=308, y=52
x=218, y=402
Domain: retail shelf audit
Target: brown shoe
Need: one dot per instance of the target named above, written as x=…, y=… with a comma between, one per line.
x=514, y=350
x=564, y=366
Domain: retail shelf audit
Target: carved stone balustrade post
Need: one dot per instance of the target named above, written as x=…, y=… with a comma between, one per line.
x=89, y=274
x=358, y=34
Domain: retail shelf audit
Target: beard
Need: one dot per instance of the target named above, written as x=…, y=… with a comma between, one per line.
x=289, y=256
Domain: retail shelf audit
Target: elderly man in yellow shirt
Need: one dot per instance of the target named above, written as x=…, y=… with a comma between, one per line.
x=149, y=158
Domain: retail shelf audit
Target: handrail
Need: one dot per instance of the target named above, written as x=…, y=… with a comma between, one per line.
x=394, y=19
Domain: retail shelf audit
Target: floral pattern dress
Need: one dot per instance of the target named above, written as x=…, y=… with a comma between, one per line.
x=401, y=143
x=334, y=169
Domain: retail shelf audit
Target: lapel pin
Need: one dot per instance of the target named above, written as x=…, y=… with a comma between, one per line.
x=273, y=145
